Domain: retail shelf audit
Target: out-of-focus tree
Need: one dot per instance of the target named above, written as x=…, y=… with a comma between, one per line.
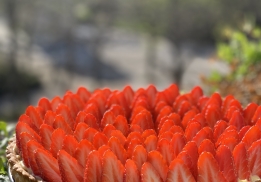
x=184, y=20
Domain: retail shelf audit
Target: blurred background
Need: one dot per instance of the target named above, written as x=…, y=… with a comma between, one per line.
x=50, y=46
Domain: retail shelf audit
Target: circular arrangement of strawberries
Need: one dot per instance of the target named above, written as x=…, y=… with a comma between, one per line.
x=143, y=135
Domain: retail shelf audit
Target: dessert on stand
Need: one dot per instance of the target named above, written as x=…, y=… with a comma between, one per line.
x=137, y=135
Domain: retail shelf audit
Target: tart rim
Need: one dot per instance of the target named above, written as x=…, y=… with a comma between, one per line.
x=18, y=172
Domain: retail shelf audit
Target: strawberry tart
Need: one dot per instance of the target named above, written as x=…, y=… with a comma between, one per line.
x=144, y=135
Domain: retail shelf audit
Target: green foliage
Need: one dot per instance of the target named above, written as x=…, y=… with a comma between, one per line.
x=4, y=138
x=3, y=144
x=241, y=50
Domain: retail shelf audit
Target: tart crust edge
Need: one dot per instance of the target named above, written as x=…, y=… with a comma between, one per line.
x=17, y=171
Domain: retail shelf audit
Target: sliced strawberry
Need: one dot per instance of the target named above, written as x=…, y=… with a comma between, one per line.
x=184, y=108
x=178, y=171
x=57, y=141
x=107, y=130
x=99, y=140
x=40, y=111
x=178, y=102
x=80, y=118
x=226, y=103
x=69, y=144
x=77, y=102
x=93, y=109
x=151, y=92
x=122, y=102
x=55, y=102
x=165, y=125
x=147, y=133
x=103, y=149
x=237, y=120
x=242, y=132
x=187, y=117
x=120, y=136
x=157, y=161
x=34, y=115
x=131, y=173
x=176, y=129
x=202, y=101
x=131, y=136
x=89, y=134
x=177, y=143
x=171, y=93
x=128, y=94
x=219, y=128
x=230, y=112
x=112, y=169
x=240, y=156
x=226, y=163
x=208, y=169
x=165, y=111
x=149, y=173
x=31, y=146
x=166, y=150
x=79, y=131
x=255, y=158
x=108, y=118
x=160, y=96
x=69, y=102
x=45, y=104
x=59, y=122
x=24, y=138
x=139, y=156
x=69, y=167
x=84, y=94
x=23, y=127
x=49, y=118
x=187, y=160
x=213, y=114
x=196, y=93
x=230, y=142
x=26, y=119
x=121, y=124
x=200, y=136
x=257, y=115
x=207, y=146
x=252, y=135
x=118, y=149
x=82, y=152
x=144, y=120
x=48, y=165
x=91, y=121
x=141, y=101
x=93, y=169
x=249, y=112
x=166, y=135
x=135, y=128
x=136, y=110
x=159, y=106
x=64, y=111
x=201, y=119
x=228, y=133
x=46, y=133
x=132, y=144
x=151, y=143
x=192, y=129
x=117, y=110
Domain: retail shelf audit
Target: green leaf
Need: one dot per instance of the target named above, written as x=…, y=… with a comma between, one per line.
x=215, y=76
x=3, y=128
x=2, y=167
